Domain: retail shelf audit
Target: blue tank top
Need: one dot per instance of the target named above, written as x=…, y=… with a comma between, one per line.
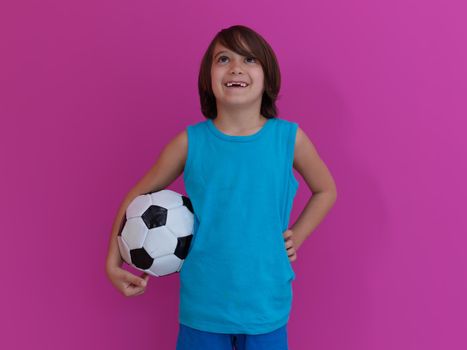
x=237, y=277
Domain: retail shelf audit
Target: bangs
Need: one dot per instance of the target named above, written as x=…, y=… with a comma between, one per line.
x=242, y=45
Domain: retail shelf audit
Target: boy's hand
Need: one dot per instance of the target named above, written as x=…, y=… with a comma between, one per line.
x=290, y=245
x=127, y=283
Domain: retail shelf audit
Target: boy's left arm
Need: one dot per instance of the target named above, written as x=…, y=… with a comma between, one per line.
x=321, y=183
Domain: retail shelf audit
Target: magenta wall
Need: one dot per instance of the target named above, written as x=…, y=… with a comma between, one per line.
x=91, y=91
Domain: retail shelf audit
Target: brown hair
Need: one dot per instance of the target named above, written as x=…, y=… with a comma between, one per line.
x=232, y=38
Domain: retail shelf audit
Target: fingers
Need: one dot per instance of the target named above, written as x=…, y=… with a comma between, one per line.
x=139, y=293
x=135, y=280
x=145, y=277
x=287, y=234
x=292, y=253
x=131, y=290
x=127, y=283
x=134, y=285
x=289, y=245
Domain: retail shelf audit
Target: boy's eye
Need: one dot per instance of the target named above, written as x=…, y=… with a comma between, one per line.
x=249, y=57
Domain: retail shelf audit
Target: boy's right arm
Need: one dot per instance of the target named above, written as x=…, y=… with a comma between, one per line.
x=168, y=167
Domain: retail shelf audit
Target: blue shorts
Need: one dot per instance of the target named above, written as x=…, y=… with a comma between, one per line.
x=194, y=339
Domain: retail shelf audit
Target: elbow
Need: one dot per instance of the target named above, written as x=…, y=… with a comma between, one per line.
x=333, y=192
x=332, y=195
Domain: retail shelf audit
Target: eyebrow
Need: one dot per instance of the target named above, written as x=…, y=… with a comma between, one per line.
x=219, y=53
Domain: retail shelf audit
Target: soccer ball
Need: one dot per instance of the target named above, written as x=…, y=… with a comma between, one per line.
x=157, y=232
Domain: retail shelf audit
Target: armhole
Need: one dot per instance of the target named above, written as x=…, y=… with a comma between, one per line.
x=293, y=137
x=189, y=155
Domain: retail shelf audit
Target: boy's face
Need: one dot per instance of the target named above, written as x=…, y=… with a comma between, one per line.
x=230, y=66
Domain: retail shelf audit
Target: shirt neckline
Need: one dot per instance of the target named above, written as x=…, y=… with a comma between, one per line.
x=238, y=138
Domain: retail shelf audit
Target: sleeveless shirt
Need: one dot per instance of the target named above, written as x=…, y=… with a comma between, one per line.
x=237, y=277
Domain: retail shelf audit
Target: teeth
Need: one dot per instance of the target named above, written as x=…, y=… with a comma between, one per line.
x=231, y=84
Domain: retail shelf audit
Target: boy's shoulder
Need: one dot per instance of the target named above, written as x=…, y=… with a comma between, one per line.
x=285, y=121
x=287, y=125
x=197, y=125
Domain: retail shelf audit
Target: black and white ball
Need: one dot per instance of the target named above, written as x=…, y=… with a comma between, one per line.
x=157, y=233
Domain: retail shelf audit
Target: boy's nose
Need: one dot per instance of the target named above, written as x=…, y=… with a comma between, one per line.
x=236, y=70
x=236, y=66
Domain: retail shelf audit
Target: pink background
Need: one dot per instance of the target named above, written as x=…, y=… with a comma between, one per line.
x=91, y=91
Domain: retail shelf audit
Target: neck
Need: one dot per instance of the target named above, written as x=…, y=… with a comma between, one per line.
x=238, y=120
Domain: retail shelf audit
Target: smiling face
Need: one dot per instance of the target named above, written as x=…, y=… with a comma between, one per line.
x=228, y=66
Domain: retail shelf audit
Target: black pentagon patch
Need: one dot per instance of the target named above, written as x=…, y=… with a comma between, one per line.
x=183, y=245
x=187, y=203
x=141, y=259
x=155, y=216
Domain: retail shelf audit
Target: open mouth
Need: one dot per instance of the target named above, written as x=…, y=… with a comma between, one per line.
x=236, y=84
